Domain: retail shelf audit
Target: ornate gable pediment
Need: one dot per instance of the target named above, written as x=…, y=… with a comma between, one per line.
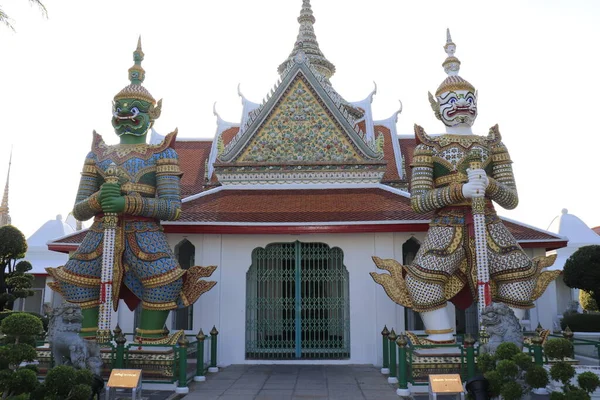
x=300, y=129
x=301, y=135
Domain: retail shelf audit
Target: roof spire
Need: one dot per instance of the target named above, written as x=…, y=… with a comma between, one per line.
x=307, y=42
x=4, y=216
x=451, y=64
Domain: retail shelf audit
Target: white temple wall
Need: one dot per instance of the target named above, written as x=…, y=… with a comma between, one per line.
x=225, y=305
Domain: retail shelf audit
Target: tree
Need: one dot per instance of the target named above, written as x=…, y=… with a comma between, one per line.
x=5, y=19
x=15, y=282
x=582, y=270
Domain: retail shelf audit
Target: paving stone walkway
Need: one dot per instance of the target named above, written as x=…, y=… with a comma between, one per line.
x=297, y=382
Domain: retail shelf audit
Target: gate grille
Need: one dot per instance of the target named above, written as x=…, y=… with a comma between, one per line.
x=297, y=304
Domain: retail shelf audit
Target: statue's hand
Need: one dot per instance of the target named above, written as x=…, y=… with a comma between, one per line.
x=471, y=190
x=111, y=199
x=478, y=175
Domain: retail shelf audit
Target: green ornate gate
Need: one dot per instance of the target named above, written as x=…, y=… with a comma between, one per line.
x=297, y=304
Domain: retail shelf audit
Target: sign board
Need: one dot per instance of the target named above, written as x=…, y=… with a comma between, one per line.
x=449, y=383
x=124, y=378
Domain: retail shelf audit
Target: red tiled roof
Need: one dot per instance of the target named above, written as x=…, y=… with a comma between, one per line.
x=300, y=206
x=228, y=134
x=192, y=160
x=407, y=148
x=391, y=172
x=76, y=237
x=597, y=230
x=523, y=232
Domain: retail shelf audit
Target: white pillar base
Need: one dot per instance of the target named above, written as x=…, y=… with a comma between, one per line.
x=199, y=378
x=213, y=369
x=182, y=390
x=438, y=320
x=385, y=371
x=403, y=392
x=392, y=379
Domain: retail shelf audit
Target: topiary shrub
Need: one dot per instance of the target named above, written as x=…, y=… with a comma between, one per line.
x=60, y=380
x=523, y=361
x=495, y=382
x=511, y=391
x=581, y=322
x=80, y=392
x=21, y=326
x=537, y=377
x=485, y=362
x=507, y=369
x=588, y=381
x=506, y=351
x=562, y=372
x=558, y=348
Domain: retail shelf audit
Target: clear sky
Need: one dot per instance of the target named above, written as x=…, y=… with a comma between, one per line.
x=534, y=63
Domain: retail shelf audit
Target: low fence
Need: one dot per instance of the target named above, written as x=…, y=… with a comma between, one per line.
x=190, y=358
x=407, y=362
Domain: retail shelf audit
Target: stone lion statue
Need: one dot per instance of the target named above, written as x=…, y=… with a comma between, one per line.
x=67, y=347
x=502, y=326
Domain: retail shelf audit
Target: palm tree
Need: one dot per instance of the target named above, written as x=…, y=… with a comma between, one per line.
x=5, y=19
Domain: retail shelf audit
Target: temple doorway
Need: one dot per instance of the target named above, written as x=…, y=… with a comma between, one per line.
x=297, y=304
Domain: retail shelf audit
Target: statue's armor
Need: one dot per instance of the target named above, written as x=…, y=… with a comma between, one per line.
x=145, y=267
x=444, y=267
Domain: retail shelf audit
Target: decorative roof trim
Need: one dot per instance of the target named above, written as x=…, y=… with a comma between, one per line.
x=296, y=186
x=343, y=118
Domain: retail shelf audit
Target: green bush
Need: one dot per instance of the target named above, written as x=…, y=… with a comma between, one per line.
x=523, y=361
x=506, y=351
x=536, y=377
x=558, y=348
x=581, y=322
x=511, y=391
x=587, y=301
x=485, y=362
x=507, y=369
x=562, y=372
x=80, y=392
x=557, y=396
x=84, y=377
x=21, y=324
x=577, y=394
x=588, y=381
x=14, y=354
x=60, y=380
x=495, y=381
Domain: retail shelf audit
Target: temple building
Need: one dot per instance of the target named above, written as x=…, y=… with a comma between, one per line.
x=290, y=203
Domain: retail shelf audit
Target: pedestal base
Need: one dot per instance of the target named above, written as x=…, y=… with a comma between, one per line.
x=385, y=371
x=392, y=379
x=403, y=392
x=182, y=390
x=199, y=378
x=213, y=369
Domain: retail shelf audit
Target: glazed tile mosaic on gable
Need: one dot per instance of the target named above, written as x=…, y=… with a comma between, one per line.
x=300, y=129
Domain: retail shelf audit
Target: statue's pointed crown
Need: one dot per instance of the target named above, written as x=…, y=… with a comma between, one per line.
x=135, y=90
x=452, y=66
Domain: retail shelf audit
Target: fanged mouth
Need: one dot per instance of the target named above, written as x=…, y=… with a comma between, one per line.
x=461, y=110
x=128, y=116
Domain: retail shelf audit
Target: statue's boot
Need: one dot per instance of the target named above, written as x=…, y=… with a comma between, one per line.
x=438, y=326
x=89, y=326
x=152, y=329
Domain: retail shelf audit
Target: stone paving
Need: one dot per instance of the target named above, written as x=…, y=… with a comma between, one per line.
x=297, y=382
